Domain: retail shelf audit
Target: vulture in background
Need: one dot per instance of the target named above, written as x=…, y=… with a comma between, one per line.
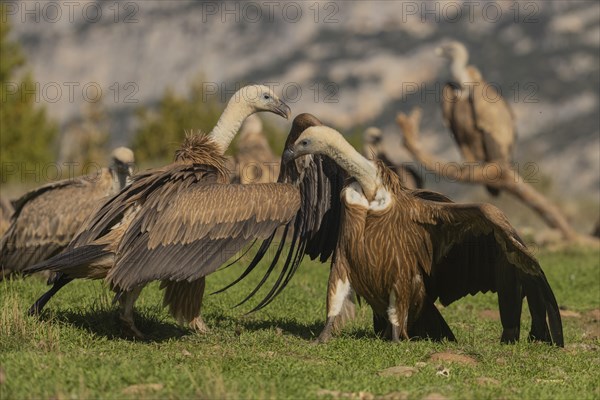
x=402, y=250
x=47, y=218
x=255, y=161
x=481, y=121
x=373, y=150
x=6, y=212
x=178, y=223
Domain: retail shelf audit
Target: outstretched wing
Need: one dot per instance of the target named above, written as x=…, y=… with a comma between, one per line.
x=475, y=249
x=187, y=233
x=315, y=227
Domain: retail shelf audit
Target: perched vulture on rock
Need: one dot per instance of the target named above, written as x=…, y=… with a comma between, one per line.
x=481, y=121
x=402, y=250
x=178, y=223
x=47, y=218
x=373, y=150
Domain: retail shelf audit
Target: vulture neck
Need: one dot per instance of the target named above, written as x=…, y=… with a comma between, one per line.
x=229, y=123
x=458, y=68
x=370, y=151
x=119, y=180
x=357, y=166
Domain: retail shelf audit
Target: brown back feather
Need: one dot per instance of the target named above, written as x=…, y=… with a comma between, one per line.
x=200, y=149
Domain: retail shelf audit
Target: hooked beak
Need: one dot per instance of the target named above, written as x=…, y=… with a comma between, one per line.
x=283, y=110
x=288, y=155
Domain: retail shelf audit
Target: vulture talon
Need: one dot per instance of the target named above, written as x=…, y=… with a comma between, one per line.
x=198, y=325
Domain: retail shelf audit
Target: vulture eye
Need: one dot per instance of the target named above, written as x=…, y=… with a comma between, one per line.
x=304, y=142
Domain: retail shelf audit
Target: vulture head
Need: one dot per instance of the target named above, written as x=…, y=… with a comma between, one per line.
x=123, y=161
x=299, y=125
x=316, y=140
x=261, y=98
x=453, y=51
x=329, y=142
x=372, y=135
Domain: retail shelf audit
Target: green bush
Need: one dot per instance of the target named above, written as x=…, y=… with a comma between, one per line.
x=27, y=135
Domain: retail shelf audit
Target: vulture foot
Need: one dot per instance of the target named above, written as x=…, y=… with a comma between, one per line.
x=326, y=333
x=198, y=325
x=130, y=329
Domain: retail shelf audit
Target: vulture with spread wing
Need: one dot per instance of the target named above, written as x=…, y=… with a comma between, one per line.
x=373, y=150
x=178, y=223
x=402, y=250
x=481, y=121
x=47, y=218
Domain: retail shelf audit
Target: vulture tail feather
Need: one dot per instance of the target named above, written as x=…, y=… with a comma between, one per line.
x=72, y=258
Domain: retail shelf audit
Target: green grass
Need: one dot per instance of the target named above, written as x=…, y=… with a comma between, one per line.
x=75, y=350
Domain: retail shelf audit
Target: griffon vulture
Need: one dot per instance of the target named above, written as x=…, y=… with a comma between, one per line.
x=481, y=122
x=373, y=150
x=47, y=218
x=402, y=250
x=254, y=160
x=178, y=223
x=6, y=212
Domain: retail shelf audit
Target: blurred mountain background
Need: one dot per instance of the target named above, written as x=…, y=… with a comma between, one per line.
x=353, y=64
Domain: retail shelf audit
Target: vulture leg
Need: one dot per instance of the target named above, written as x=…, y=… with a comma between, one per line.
x=197, y=324
x=510, y=302
x=185, y=302
x=126, y=301
x=338, y=297
x=398, y=316
x=382, y=326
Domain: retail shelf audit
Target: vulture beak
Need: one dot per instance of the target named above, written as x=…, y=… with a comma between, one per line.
x=283, y=110
x=288, y=155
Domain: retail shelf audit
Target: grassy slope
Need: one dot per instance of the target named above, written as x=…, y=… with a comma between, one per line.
x=76, y=349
